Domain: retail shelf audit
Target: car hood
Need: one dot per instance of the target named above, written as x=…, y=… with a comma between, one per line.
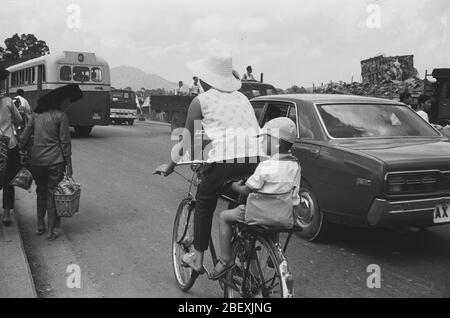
x=404, y=153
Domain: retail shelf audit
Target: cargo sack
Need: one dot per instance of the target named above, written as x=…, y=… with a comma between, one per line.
x=272, y=210
x=23, y=179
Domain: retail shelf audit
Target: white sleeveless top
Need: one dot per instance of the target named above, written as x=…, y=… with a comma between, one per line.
x=230, y=122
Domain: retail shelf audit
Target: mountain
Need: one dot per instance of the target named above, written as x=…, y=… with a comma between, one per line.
x=128, y=76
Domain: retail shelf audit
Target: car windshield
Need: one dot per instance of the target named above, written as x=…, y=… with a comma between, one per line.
x=121, y=96
x=373, y=121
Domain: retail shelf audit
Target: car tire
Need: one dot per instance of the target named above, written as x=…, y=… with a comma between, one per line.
x=309, y=217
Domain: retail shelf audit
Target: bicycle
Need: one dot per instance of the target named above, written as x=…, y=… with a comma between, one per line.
x=261, y=269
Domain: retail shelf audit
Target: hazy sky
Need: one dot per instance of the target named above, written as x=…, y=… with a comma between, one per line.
x=291, y=41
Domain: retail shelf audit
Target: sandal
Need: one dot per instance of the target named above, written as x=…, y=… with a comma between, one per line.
x=6, y=221
x=187, y=262
x=41, y=231
x=53, y=236
x=216, y=275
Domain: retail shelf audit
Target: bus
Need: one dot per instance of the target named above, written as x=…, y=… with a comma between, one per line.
x=43, y=74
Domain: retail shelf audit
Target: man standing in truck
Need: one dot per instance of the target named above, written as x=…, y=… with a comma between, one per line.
x=181, y=91
x=249, y=75
x=196, y=88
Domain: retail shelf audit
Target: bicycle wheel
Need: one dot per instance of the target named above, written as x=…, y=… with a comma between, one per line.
x=182, y=243
x=261, y=271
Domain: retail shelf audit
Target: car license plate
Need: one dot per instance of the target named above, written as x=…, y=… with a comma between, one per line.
x=442, y=214
x=96, y=116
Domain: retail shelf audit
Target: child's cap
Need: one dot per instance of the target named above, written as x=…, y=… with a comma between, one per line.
x=282, y=128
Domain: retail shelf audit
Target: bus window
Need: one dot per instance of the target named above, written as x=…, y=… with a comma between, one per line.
x=65, y=74
x=3, y=86
x=96, y=74
x=81, y=74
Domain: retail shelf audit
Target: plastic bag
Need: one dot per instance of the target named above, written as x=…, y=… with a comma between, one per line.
x=4, y=142
x=23, y=179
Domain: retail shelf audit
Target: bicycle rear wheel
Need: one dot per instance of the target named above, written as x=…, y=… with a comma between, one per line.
x=182, y=243
x=260, y=272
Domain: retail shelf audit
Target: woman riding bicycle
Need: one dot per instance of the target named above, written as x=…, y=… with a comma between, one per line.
x=229, y=121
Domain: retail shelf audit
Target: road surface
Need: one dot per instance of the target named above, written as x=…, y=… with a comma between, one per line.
x=121, y=238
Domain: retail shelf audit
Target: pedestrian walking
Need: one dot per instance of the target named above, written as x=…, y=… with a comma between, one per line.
x=423, y=107
x=227, y=118
x=9, y=116
x=24, y=109
x=48, y=131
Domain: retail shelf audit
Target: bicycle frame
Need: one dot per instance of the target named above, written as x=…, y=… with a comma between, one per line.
x=243, y=235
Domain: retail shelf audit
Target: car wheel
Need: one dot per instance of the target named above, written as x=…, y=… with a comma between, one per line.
x=310, y=217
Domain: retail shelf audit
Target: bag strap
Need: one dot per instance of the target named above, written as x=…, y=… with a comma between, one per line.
x=287, y=157
x=274, y=194
x=31, y=122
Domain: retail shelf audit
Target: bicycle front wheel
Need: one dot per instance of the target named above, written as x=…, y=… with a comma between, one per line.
x=260, y=272
x=182, y=243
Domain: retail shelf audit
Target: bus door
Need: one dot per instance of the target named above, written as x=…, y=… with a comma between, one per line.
x=41, y=77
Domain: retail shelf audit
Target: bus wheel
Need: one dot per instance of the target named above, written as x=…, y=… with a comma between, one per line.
x=131, y=122
x=83, y=131
x=178, y=121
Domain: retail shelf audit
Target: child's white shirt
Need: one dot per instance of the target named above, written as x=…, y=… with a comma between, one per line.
x=277, y=175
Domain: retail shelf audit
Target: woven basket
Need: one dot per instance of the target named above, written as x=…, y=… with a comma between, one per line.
x=67, y=204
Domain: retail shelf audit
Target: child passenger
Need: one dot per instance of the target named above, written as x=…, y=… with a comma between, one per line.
x=279, y=174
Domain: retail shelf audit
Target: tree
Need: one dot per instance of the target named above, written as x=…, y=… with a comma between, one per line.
x=22, y=48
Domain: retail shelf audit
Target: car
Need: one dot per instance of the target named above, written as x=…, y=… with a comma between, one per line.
x=365, y=162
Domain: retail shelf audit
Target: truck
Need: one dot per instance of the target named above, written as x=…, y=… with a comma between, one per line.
x=176, y=107
x=123, y=107
x=439, y=91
